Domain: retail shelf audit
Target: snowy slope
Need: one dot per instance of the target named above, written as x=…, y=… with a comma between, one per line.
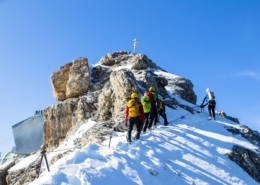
x=191, y=150
x=188, y=151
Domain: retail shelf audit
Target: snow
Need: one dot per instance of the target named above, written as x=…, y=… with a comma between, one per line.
x=166, y=74
x=188, y=151
x=191, y=150
x=128, y=66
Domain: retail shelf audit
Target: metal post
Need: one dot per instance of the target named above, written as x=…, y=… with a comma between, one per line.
x=46, y=161
x=43, y=155
x=40, y=166
x=135, y=44
x=109, y=141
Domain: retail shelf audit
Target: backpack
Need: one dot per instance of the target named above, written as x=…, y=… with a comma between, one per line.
x=133, y=106
x=155, y=97
x=211, y=96
x=160, y=104
x=150, y=95
x=145, y=100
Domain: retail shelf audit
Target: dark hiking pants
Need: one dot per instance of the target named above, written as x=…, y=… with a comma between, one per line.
x=153, y=116
x=131, y=122
x=211, y=108
x=162, y=113
x=146, y=121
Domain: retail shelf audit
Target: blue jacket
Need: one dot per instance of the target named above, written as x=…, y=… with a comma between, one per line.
x=206, y=98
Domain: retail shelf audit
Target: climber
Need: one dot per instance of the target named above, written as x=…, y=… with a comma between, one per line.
x=155, y=106
x=134, y=116
x=145, y=100
x=210, y=99
x=161, y=111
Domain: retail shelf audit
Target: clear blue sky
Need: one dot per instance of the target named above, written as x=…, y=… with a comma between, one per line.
x=215, y=44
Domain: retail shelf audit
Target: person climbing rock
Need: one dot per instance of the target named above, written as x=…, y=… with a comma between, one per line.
x=162, y=112
x=210, y=99
x=145, y=100
x=134, y=116
x=154, y=106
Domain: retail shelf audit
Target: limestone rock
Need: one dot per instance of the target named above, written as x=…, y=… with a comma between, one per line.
x=59, y=118
x=72, y=80
x=247, y=133
x=182, y=88
x=114, y=58
x=139, y=62
x=124, y=84
x=17, y=176
x=98, y=133
x=248, y=160
x=223, y=114
x=3, y=171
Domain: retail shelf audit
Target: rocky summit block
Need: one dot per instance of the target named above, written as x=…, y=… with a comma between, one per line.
x=72, y=80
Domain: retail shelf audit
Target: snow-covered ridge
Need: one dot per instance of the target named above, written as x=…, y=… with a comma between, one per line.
x=189, y=151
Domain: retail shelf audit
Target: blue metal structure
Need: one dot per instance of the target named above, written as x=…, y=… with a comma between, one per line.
x=28, y=134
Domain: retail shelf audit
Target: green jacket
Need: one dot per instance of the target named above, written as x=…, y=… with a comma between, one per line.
x=145, y=100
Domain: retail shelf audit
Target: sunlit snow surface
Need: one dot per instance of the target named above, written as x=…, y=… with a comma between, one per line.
x=188, y=151
x=191, y=150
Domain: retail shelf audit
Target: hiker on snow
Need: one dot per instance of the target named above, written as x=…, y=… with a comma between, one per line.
x=145, y=100
x=134, y=116
x=155, y=106
x=161, y=111
x=210, y=99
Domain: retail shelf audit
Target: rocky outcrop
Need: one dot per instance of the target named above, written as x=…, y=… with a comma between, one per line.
x=115, y=94
x=114, y=58
x=141, y=61
x=123, y=58
x=59, y=118
x=182, y=88
x=223, y=114
x=98, y=133
x=248, y=160
x=4, y=171
x=247, y=133
x=124, y=84
x=72, y=80
x=18, y=177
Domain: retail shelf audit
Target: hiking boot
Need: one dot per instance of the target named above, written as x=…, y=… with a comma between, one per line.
x=165, y=124
x=128, y=140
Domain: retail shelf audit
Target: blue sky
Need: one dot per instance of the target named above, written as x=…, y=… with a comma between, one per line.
x=215, y=44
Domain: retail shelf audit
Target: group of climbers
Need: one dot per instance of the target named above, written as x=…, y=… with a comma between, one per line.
x=144, y=114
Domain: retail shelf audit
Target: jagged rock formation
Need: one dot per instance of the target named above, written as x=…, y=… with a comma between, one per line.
x=72, y=80
x=100, y=93
x=247, y=160
x=14, y=176
x=112, y=80
x=247, y=133
x=3, y=171
x=183, y=88
x=59, y=118
x=223, y=114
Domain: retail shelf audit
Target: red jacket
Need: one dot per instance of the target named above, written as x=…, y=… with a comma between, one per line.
x=150, y=95
x=141, y=111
